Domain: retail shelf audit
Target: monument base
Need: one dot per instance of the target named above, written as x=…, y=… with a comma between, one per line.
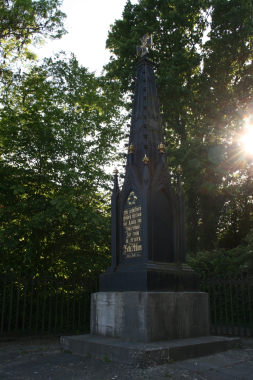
x=150, y=316
x=145, y=355
x=150, y=277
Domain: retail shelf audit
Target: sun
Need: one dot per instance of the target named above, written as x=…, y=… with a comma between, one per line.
x=247, y=138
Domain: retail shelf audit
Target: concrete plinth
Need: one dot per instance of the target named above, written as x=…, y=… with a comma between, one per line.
x=145, y=355
x=150, y=316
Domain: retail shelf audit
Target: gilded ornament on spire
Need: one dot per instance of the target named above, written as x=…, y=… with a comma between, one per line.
x=145, y=160
x=115, y=171
x=161, y=148
x=131, y=148
x=179, y=169
x=146, y=41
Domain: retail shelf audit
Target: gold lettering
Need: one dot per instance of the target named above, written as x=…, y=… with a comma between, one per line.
x=132, y=225
x=135, y=255
x=136, y=215
x=137, y=227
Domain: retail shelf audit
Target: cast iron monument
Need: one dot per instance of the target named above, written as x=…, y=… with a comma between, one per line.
x=148, y=221
x=148, y=293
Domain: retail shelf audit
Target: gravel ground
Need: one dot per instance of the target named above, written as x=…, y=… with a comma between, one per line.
x=42, y=359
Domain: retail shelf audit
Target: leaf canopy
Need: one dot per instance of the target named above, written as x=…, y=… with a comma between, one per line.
x=59, y=127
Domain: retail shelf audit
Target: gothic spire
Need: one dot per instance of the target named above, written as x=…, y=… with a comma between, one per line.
x=146, y=132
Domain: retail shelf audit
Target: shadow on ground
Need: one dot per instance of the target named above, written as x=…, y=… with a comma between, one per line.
x=42, y=359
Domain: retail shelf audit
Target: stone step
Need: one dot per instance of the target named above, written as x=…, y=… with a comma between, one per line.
x=145, y=355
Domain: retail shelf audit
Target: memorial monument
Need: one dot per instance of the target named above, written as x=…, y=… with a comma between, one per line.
x=148, y=219
x=148, y=294
x=148, y=237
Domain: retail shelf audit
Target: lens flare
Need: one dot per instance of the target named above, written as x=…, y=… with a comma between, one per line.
x=247, y=138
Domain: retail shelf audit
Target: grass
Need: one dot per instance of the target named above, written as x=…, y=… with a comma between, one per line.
x=106, y=359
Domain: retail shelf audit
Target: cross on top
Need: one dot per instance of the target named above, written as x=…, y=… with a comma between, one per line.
x=146, y=41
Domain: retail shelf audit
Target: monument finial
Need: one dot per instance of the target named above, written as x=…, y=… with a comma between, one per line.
x=146, y=41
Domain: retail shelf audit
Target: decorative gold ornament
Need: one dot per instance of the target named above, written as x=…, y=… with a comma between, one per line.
x=179, y=169
x=131, y=148
x=161, y=148
x=145, y=160
x=146, y=41
x=115, y=171
x=131, y=200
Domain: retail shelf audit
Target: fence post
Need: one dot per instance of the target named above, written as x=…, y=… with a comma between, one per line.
x=24, y=304
x=74, y=303
x=62, y=301
x=249, y=283
x=31, y=304
x=2, y=321
x=226, y=310
x=56, y=304
x=44, y=299
x=17, y=308
x=50, y=304
x=38, y=301
x=237, y=306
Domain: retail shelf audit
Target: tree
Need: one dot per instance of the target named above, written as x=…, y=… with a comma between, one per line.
x=204, y=58
x=59, y=125
x=26, y=22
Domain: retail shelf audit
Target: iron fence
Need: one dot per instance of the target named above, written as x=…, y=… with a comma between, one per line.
x=230, y=298
x=32, y=303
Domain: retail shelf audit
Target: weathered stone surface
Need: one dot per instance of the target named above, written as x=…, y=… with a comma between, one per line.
x=150, y=316
x=146, y=354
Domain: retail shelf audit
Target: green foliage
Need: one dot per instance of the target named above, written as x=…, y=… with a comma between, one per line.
x=236, y=216
x=222, y=261
x=106, y=359
x=57, y=131
x=203, y=53
x=26, y=22
x=166, y=373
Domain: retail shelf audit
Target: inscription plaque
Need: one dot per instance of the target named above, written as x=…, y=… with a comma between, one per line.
x=132, y=219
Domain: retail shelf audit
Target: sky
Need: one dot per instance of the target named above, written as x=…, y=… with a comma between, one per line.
x=87, y=23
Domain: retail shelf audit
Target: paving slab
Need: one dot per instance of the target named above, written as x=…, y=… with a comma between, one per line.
x=42, y=359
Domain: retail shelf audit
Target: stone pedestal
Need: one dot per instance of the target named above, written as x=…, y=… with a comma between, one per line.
x=150, y=316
